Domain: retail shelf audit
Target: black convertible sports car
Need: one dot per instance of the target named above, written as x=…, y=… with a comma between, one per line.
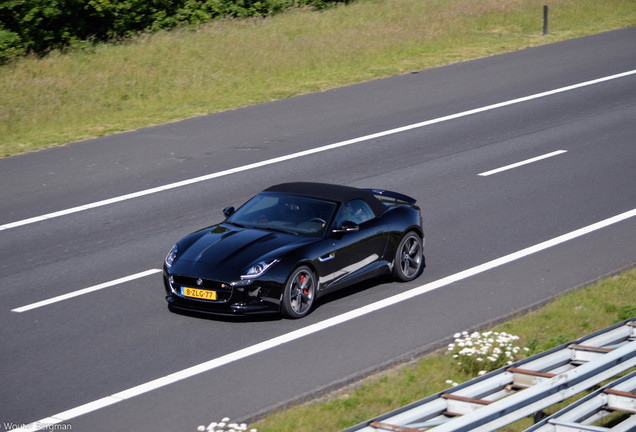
x=292, y=243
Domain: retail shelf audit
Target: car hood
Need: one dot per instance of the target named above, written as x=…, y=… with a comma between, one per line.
x=235, y=248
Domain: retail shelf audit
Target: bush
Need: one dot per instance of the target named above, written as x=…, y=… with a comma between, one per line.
x=10, y=45
x=39, y=26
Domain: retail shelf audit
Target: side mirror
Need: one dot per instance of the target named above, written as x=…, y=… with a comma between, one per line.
x=347, y=226
x=228, y=211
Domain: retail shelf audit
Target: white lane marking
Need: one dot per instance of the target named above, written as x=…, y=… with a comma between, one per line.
x=86, y=290
x=306, y=152
x=525, y=162
x=314, y=328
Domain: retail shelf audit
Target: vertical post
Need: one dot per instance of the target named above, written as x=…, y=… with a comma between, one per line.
x=545, y=19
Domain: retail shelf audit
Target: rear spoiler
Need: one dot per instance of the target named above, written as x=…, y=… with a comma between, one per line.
x=396, y=196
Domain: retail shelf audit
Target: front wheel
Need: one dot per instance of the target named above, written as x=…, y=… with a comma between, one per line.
x=300, y=292
x=409, y=260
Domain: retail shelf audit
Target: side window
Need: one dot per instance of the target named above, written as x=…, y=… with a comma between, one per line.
x=356, y=211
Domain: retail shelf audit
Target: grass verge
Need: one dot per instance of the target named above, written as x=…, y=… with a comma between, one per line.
x=168, y=76
x=566, y=318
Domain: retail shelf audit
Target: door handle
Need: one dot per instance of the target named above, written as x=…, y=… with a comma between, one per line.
x=327, y=257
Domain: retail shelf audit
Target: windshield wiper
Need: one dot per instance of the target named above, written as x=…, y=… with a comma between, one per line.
x=280, y=230
x=238, y=225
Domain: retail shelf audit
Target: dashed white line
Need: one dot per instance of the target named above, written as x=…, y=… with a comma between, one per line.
x=314, y=328
x=86, y=290
x=525, y=162
x=307, y=152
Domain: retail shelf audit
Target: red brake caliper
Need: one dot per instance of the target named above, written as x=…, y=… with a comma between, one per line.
x=303, y=278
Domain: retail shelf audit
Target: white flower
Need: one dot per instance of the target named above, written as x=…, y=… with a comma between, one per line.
x=232, y=427
x=487, y=350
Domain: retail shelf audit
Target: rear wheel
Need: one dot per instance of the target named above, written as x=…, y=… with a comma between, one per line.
x=409, y=260
x=300, y=292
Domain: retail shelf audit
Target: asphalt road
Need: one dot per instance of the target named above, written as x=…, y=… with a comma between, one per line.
x=110, y=355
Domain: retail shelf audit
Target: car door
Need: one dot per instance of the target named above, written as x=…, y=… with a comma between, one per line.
x=358, y=251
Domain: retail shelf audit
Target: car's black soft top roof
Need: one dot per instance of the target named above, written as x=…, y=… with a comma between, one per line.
x=331, y=192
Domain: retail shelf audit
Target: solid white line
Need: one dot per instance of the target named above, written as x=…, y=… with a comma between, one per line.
x=314, y=328
x=86, y=290
x=307, y=152
x=525, y=162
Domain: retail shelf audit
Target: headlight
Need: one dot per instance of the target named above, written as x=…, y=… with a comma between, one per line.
x=172, y=255
x=258, y=269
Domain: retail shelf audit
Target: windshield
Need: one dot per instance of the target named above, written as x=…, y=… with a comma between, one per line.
x=288, y=213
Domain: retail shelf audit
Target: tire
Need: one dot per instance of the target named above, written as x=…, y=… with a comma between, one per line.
x=299, y=294
x=409, y=259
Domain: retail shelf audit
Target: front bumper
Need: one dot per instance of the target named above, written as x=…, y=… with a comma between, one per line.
x=255, y=298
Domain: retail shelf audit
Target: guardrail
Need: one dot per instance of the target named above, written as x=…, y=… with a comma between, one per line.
x=522, y=389
x=617, y=396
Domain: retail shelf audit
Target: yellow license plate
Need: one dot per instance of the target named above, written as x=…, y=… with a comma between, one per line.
x=198, y=293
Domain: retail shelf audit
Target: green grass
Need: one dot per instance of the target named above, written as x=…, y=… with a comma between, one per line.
x=227, y=64
x=568, y=317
